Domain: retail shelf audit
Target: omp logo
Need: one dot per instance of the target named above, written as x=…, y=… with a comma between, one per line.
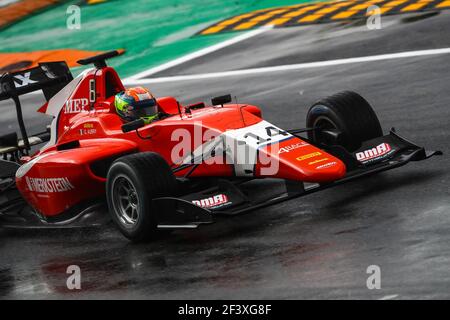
x=308, y=156
x=292, y=147
x=76, y=105
x=326, y=165
x=24, y=79
x=48, y=185
x=378, y=151
x=211, y=202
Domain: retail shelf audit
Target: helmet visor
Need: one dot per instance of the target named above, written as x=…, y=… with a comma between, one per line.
x=144, y=108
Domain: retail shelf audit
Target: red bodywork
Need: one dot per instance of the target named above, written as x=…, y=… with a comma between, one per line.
x=87, y=137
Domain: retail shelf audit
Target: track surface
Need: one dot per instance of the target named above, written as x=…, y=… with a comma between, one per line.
x=315, y=247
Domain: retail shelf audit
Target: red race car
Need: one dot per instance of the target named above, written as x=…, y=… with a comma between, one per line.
x=194, y=163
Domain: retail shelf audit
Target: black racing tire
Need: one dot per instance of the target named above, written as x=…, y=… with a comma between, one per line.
x=146, y=176
x=347, y=112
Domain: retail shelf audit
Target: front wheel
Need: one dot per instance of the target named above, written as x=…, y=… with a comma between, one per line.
x=344, y=118
x=133, y=181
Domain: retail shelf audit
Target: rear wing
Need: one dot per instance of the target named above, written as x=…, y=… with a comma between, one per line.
x=50, y=77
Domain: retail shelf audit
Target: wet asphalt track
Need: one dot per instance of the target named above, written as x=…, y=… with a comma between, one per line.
x=314, y=247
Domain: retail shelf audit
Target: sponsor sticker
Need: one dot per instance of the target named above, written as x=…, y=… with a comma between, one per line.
x=309, y=156
x=326, y=165
x=76, y=106
x=88, y=129
x=292, y=147
x=317, y=161
x=374, y=153
x=49, y=185
x=212, y=202
x=84, y=132
x=24, y=80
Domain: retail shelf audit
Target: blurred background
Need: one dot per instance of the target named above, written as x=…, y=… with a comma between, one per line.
x=150, y=31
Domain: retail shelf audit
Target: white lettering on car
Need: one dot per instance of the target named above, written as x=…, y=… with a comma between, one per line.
x=212, y=202
x=76, y=106
x=24, y=79
x=292, y=147
x=376, y=152
x=326, y=165
x=49, y=185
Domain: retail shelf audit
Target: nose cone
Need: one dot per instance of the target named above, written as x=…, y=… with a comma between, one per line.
x=325, y=171
x=329, y=170
x=301, y=161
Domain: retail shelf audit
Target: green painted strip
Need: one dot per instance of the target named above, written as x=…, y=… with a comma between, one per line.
x=151, y=31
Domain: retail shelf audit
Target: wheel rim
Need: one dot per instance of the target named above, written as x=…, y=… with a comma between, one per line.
x=126, y=201
x=324, y=124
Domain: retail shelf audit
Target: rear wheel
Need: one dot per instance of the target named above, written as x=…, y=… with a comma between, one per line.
x=132, y=182
x=344, y=118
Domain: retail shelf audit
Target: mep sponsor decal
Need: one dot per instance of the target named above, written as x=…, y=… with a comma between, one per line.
x=326, y=165
x=377, y=152
x=49, y=185
x=309, y=156
x=76, y=106
x=212, y=202
x=292, y=147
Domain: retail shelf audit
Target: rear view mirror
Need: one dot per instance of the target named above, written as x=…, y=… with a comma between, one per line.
x=133, y=125
x=221, y=100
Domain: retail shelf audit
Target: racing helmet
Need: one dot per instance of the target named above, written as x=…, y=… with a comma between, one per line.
x=136, y=103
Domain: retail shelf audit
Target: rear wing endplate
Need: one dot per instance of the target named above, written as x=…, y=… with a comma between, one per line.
x=50, y=77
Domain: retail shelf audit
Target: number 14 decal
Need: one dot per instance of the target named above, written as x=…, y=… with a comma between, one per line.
x=263, y=137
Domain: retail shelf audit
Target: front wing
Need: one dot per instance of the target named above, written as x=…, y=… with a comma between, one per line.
x=239, y=196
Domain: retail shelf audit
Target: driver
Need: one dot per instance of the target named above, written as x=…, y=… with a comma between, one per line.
x=136, y=103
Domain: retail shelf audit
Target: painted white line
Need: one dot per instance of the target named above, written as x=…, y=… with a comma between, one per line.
x=389, y=297
x=199, y=53
x=318, y=64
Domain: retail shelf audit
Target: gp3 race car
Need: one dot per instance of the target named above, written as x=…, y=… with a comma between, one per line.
x=195, y=163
